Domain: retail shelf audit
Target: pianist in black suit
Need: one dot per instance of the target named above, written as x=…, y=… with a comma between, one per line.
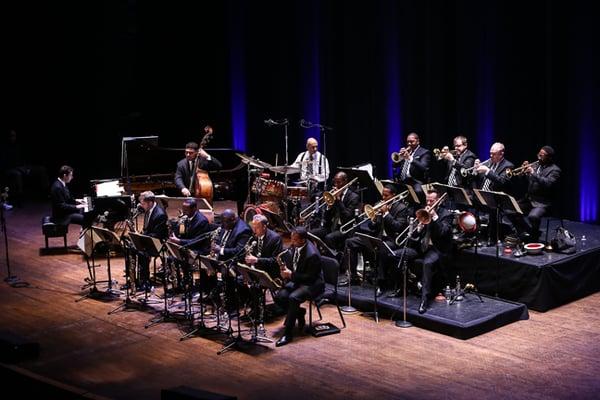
x=195, y=158
x=191, y=228
x=155, y=225
x=65, y=209
x=304, y=281
x=542, y=180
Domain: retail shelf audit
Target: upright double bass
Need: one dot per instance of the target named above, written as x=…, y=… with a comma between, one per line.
x=200, y=180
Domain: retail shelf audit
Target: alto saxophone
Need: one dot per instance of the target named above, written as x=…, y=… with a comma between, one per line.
x=213, y=241
x=282, y=267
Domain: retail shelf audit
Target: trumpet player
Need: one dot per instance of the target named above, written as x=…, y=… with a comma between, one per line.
x=431, y=242
x=190, y=226
x=411, y=164
x=542, y=179
x=492, y=175
x=462, y=159
x=390, y=220
x=342, y=211
x=305, y=281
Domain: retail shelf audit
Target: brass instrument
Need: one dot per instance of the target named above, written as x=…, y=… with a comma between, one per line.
x=371, y=212
x=249, y=247
x=440, y=154
x=471, y=170
x=399, y=155
x=213, y=239
x=510, y=172
x=282, y=267
x=327, y=198
x=423, y=217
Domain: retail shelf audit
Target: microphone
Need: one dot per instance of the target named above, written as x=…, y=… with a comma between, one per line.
x=270, y=122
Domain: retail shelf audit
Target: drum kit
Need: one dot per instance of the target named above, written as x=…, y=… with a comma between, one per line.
x=269, y=196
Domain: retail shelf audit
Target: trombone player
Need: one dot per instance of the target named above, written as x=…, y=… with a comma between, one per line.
x=430, y=241
x=542, y=177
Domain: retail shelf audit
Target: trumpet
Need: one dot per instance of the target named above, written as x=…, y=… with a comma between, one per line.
x=440, y=154
x=371, y=212
x=397, y=156
x=510, y=172
x=327, y=198
x=471, y=170
x=423, y=217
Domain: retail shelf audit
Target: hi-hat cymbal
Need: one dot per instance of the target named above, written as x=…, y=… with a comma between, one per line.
x=282, y=169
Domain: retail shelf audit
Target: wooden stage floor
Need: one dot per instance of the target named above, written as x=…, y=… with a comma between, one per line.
x=552, y=355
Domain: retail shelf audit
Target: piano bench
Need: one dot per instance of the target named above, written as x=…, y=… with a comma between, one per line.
x=52, y=230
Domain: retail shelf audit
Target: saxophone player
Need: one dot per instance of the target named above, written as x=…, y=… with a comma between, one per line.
x=195, y=225
x=268, y=245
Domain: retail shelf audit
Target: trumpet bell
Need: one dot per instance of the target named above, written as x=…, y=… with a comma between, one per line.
x=396, y=157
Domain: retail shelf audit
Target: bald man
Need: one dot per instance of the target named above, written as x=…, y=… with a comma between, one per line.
x=313, y=165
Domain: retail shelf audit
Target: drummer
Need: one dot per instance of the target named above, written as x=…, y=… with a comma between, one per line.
x=314, y=167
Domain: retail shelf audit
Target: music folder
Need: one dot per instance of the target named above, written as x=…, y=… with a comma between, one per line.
x=181, y=253
x=501, y=200
x=415, y=196
x=94, y=235
x=322, y=247
x=211, y=265
x=455, y=194
x=146, y=244
x=251, y=274
x=375, y=242
x=365, y=180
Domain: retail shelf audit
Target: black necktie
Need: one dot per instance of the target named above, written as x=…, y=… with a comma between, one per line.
x=309, y=167
x=295, y=259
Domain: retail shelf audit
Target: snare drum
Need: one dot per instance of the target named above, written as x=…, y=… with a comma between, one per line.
x=272, y=191
x=297, y=192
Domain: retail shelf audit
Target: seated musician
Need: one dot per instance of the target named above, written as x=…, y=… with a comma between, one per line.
x=542, y=180
x=413, y=163
x=268, y=245
x=155, y=225
x=304, y=281
x=491, y=174
x=65, y=209
x=195, y=226
x=430, y=242
x=195, y=158
x=389, y=222
x=463, y=159
x=314, y=167
x=343, y=210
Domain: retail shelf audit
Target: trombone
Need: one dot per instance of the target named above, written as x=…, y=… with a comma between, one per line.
x=510, y=172
x=371, y=212
x=328, y=198
x=471, y=170
x=423, y=217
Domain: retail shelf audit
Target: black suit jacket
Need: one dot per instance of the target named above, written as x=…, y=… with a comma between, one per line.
x=466, y=160
x=440, y=232
x=419, y=168
x=239, y=236
x=345, y=208
x=393, y=222
x=308, y=271
x=271, y=247
x=541, y=186
x=183, y=174
x=63, y=204
x=157, y=224
x=196, y=226
x=500, y=182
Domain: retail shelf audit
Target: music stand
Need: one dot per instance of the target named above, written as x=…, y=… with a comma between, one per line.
x=212, y=266
x=365, y=181
x=416, y=197
x=455, y=194
x=322, y=247
x=500, y=202
x=147, y=245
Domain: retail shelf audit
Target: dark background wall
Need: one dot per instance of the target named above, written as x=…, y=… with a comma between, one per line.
x=85, y=74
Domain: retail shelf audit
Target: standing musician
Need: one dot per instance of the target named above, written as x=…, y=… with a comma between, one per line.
x=195, y=158
x=463, y=160
x=430, y=241
x=305, y=281
x=314, y=167
x=542, y=177
x=342, y=211
x=411, y=164
x=388, y=223
x=190, y=226
x=155, y=225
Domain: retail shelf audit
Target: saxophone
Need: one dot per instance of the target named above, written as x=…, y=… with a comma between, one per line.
x=282, y=267
x=213, y=241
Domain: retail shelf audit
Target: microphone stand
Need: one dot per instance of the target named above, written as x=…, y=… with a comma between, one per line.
x=10, y=279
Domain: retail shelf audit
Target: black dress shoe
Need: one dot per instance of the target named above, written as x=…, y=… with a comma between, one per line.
x=378, y=292
x=423, y=307
x=285, y=339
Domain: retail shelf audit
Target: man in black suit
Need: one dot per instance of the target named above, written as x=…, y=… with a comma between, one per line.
x=464, y=159
x=65, y=209
x=305, y=281
x=185, y=175
x=232, y=237
x=191, y=227
x=267, y=245
x=413, y=167
x=492, y=175
x=542, y=180
x=431, y=243
x=345, y=204
x=155, y=225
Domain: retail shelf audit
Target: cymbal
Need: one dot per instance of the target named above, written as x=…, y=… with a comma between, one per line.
x=253, y=161
x=282, y=169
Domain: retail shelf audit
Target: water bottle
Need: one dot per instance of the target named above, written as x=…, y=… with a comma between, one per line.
x=583, y=241
x=448, y=293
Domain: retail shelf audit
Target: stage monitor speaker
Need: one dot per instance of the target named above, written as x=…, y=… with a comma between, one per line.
x=14, y=348
x=188, y=393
